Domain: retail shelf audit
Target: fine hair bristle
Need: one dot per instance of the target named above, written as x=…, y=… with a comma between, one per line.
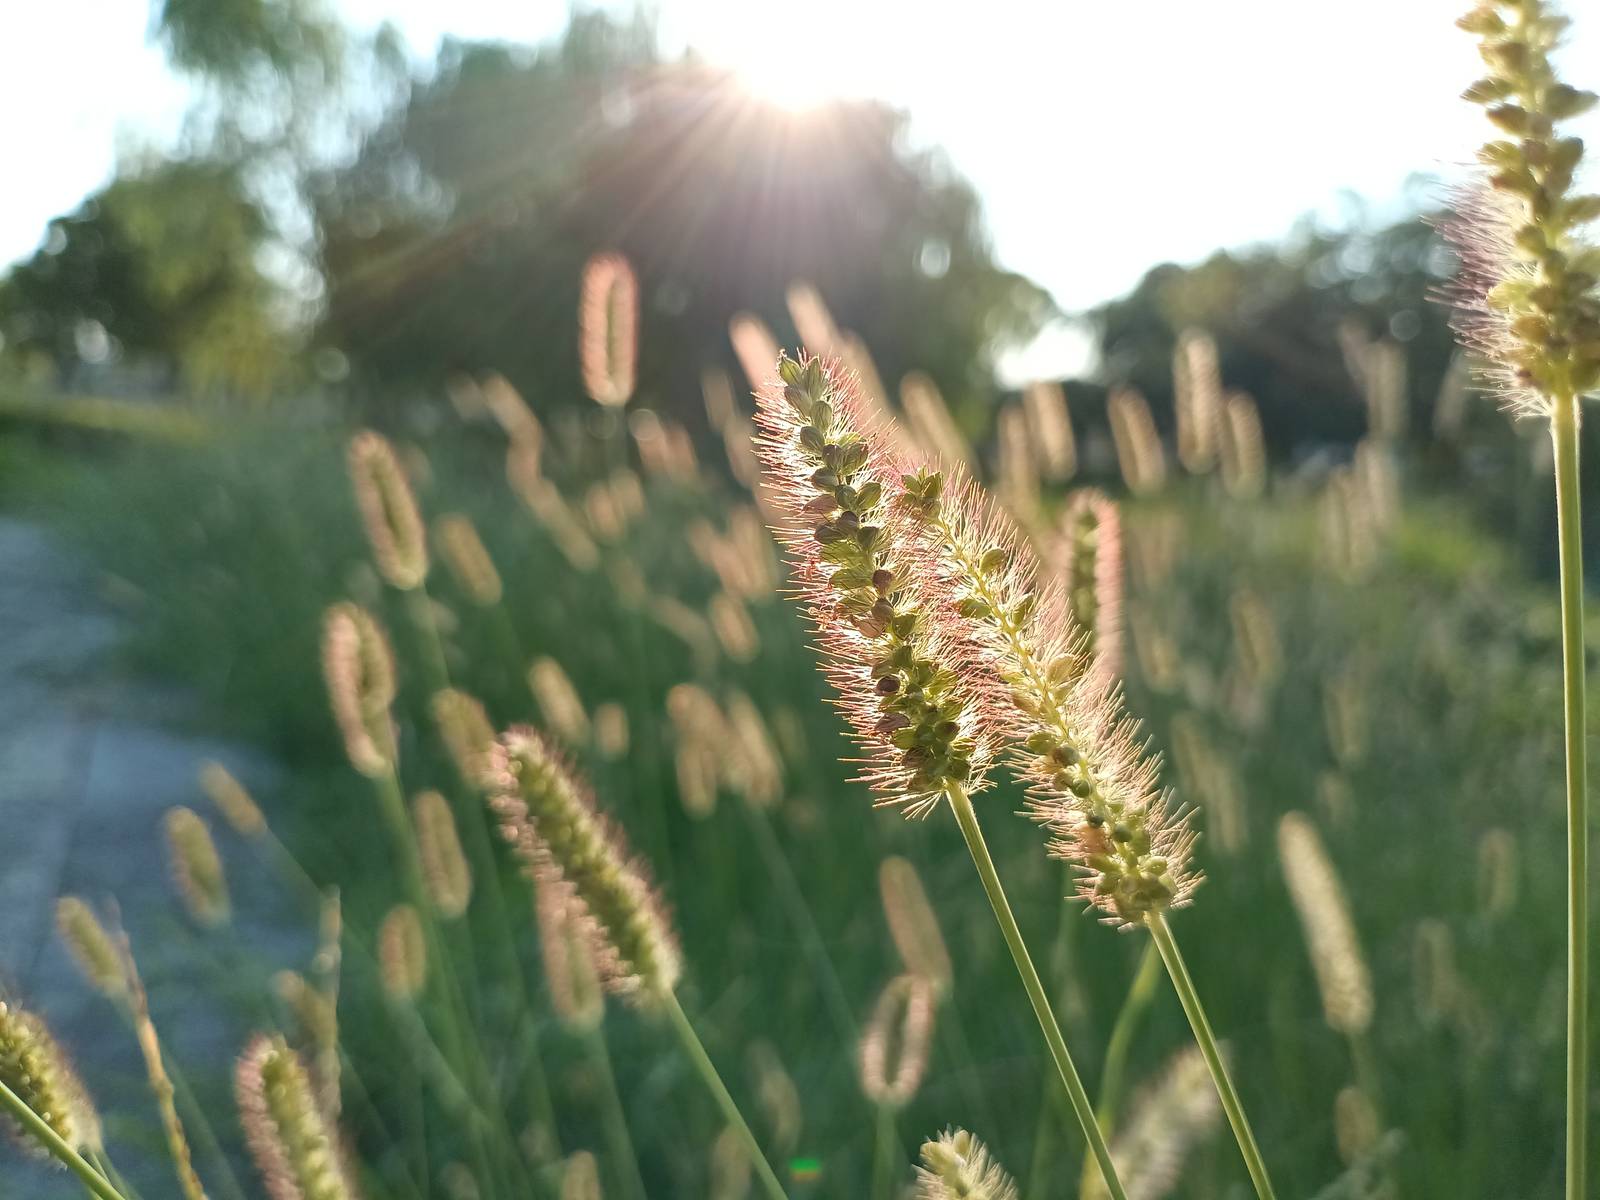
x=608, y=329
x=893, y=1054
x=549, y=819
x=1091, y=782
x=467, y=558
x=887, y=646
x=403, y=953
x=445, y=870
x=388, y=510
x=1166, y=1120
x=1050, y=427
x=196, y=867
x=358, y=670
x=1324, y=911
x=913, y=923
x=466, y=731
x=295, y=1150
x=232, y=800
x=957, y=1166
x=37, y=1070
x=91, y=947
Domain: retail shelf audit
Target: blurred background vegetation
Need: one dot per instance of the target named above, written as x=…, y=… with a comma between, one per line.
x=344, y=242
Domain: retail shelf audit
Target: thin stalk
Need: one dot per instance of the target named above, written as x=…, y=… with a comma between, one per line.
x=883, y=1155
x=40, y=1130
x=730, y=1111
x=625, y=1158
x=1564, y=430
x=1140, y=992
x=968, y=820
x=1190, y=999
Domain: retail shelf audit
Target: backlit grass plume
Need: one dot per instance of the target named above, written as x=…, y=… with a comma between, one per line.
x=913, y=924
x=550, y=821
x=887, y=650
x=91, y=947
x=388, y=511
x=1197, y=399
x=1319, y=898
x=893, y=1054
x=608, y=327
x=196, y=867
x=1164, y=1123
x=1092, y=786
x=358, y=670
x=568, y=956
x=403, y=953
x=232, y=800
x=1050, y=427
x=466, y=731
x=36, y=1070
x=467, y=558
x=296, y=1152
x=957, y=1166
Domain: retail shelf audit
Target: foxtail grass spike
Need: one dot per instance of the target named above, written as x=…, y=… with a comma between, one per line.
x=1017, y=473
x=1091, y=783
x=1087, y=559
x=559, y=703
x=754, y=346
x=388, y=511
x=91, y=947
x=580, y=1177
x=608, y=328
x=930, y=422
x=1197, y=400
x=468, y=560
x=551, y=823
x=403, y=953
x=196, y=867
x=812, y=320
x=466, y=731
x=296, y=1152
x=444, y=865
x=514, y=416
x=237, y=806
x=1050, y=428
x=36, y=1069
x=893, y=1055
x=957, y=1166
x=1324, y=910
x=1133, y=432
x=888, y=648
x=913, y=924
x=1165, y=1122
x=611, y=729
x=358, y=670
x=1243, y=449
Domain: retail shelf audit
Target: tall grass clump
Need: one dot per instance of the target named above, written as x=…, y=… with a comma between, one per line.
x=1529, y=307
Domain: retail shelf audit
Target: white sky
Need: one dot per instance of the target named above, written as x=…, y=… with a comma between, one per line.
x=1102, y=137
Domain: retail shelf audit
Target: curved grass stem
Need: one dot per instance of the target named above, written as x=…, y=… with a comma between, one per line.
x=1082, y=1108
x=1564, y=431
x=730, y=1111
x=1192, y=1008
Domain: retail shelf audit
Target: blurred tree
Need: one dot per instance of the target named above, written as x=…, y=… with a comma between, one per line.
x=159, y=269
x=457, y=238
x=1288, y=319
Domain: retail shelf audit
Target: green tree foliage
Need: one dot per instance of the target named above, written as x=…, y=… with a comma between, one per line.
x=457, y=238
x=159, y=267
x=1287, y=319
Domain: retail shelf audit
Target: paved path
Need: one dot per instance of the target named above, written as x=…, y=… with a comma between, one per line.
x=89, y=760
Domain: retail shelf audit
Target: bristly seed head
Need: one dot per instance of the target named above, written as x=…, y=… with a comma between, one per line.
x=388, y=511
x=957, y=1166
x=893, y=1054
x=358, y=668
x=608, y=323
x=551, y=823
x=467, y=732
x=1087, y=559
x=1091, y=783
x=444, y=866
x=1527, y=295
x=887, y=647
x=235, y=804
x=91, y=947
x=468, y=559
x=295, y=1150
x=196, y=867
x=36, y=1069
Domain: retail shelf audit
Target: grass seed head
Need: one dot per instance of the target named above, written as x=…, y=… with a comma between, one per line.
x=467, y=732
x=388, y=511
x=358, y=669
x=237, y=806
x=37, y=1070
x=550, y=821
x=569, y=967
x=957, y=1166
x=403, y=953
x=893, y=1054
x=196, y=867
x=91, y=947
x=913, y=924
x=467, y=558
x=1087, y=559
x=444, y=865
x=888, y=647
x=296, y=1152
x=1319, y=898
x=608, y=329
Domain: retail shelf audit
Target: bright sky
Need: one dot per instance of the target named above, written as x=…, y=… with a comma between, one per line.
x=1103, y=138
